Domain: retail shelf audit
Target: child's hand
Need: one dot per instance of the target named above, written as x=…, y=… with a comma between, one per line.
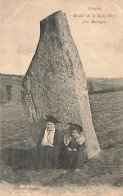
x=69, y=149
x=80, y=140
x=74, y=149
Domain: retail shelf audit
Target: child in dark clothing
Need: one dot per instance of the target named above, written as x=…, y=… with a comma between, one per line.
x=73, y=143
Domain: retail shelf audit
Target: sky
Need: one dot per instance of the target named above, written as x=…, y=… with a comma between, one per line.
x=100, y=46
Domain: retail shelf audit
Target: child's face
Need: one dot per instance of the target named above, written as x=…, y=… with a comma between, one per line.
x=75, y=133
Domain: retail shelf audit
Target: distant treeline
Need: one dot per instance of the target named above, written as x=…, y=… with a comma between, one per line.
x=99, y=85
x=11, y=75
x=105, y=90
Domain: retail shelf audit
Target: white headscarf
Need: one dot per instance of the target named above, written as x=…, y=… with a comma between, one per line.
x=48, y=138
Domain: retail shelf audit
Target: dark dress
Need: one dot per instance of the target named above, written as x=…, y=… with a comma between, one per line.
x=47, y=156
x=74, y=159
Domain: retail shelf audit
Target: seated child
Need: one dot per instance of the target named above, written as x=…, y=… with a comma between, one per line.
x=73, y=143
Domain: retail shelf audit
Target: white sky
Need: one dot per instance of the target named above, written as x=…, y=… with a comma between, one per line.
x=100, y=46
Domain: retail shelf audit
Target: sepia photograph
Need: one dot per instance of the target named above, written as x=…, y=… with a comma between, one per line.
x=61, y=97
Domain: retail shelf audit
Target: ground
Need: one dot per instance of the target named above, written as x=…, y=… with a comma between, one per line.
x=99, y=175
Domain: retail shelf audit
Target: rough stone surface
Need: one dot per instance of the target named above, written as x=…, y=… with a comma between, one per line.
x=55, y=83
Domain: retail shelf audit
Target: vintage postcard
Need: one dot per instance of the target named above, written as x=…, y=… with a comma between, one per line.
x=61, y=97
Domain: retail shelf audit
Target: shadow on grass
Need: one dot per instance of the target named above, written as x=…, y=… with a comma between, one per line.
x=23, y=159
x=26, y=159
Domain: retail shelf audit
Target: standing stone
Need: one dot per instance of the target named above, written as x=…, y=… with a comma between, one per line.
x=55, y=83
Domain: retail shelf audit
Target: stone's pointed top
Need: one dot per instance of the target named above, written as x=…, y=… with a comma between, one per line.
x=53, y=23
x=60, y=12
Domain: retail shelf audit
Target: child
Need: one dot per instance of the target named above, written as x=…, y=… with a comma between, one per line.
x=73, y=143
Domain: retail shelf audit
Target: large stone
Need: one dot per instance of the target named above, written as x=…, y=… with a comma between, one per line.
x=55, y=83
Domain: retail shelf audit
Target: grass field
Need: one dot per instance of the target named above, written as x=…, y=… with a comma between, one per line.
x=17, y=149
